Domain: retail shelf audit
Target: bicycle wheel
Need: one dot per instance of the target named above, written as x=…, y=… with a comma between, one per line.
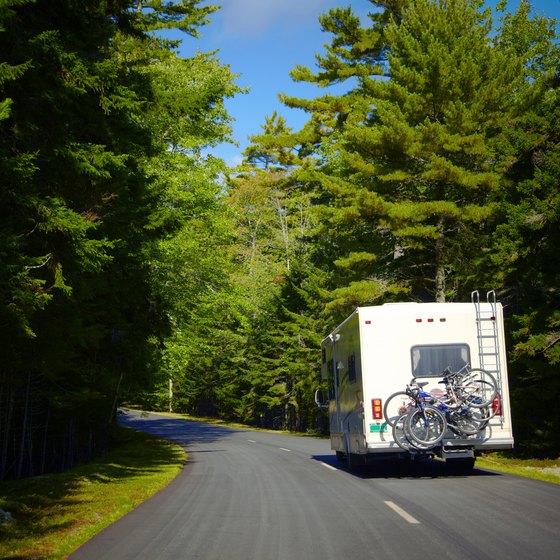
x=468, y=421
x=399, y=434
x=478, y=373
x=479, y=381
x=395, y=406
x=478, y=393
x=426, y=425
x=403, y=440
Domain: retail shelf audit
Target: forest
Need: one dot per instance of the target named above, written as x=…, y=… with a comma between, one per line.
x=138, y=269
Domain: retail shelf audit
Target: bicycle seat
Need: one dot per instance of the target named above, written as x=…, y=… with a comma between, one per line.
x=422, y=384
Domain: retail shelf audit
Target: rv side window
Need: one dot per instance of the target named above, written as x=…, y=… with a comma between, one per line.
x=432, y=360
x=352, y=367
x=330, y=379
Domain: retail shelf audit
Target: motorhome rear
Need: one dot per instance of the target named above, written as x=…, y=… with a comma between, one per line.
x=377, y=350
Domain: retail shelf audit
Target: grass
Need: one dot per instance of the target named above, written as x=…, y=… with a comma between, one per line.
x=54, y=514
x=547, y=470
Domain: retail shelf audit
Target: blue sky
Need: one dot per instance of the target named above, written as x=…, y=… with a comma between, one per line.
x=262, y=40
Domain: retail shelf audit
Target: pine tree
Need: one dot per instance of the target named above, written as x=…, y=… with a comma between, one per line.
x=524, y=244
x=273, y=204
x=410, y=158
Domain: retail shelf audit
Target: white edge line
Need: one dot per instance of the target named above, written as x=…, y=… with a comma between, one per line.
x=284, y=449
x=406, y=516
x=328, y=466
x=251, y=441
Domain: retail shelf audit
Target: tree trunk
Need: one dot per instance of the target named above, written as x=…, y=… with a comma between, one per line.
x=115, y=400
x=170, y=394
x=440, y=284
x=440, y=268
x=45, y=441
x=23, y=438
x=6, y=431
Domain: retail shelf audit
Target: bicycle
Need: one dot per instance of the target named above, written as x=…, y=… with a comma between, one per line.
x=423, y=423
x=465, y=407
x=410, y=432
x=467, y=400
x=473, y=387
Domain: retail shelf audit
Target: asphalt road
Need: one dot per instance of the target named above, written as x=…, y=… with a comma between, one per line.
x=259, y=496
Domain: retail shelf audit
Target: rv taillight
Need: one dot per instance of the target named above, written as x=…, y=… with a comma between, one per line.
x=496, y=406
x=377, y=409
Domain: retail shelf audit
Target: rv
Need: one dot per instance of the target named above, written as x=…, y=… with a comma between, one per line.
x=379, y=350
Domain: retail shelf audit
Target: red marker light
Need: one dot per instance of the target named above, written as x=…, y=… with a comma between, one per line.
x=377, y=409
x=497, y=406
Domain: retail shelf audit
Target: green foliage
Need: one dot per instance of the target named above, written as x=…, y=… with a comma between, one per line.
x=533, y=37
x=434, y=174
x=525, y=250
x=101, y=131
x=186, y=15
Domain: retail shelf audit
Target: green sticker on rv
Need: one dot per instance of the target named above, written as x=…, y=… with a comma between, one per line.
x=378, y=428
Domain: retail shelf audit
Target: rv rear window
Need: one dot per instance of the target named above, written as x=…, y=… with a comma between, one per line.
x=432, y=360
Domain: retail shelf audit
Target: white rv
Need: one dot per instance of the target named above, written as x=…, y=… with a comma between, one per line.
x=378, y=350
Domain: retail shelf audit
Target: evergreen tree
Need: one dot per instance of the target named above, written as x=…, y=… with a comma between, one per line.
x=273, y=203
x=410, y=158
x=524, y=250
x=437, y=168
x=84, y=203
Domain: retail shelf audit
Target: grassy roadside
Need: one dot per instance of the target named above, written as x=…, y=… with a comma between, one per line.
x=547, y=470
x=54, y=514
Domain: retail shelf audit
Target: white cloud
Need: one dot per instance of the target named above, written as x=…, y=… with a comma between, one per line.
x=255, y=17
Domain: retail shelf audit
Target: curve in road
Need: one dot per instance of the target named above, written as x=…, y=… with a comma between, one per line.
x=262, y=496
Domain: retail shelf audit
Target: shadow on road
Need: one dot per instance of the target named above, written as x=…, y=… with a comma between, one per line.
x=183, y=432
x=424, y=468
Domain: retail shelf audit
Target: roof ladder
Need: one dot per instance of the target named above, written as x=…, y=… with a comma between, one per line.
x=487, y=334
